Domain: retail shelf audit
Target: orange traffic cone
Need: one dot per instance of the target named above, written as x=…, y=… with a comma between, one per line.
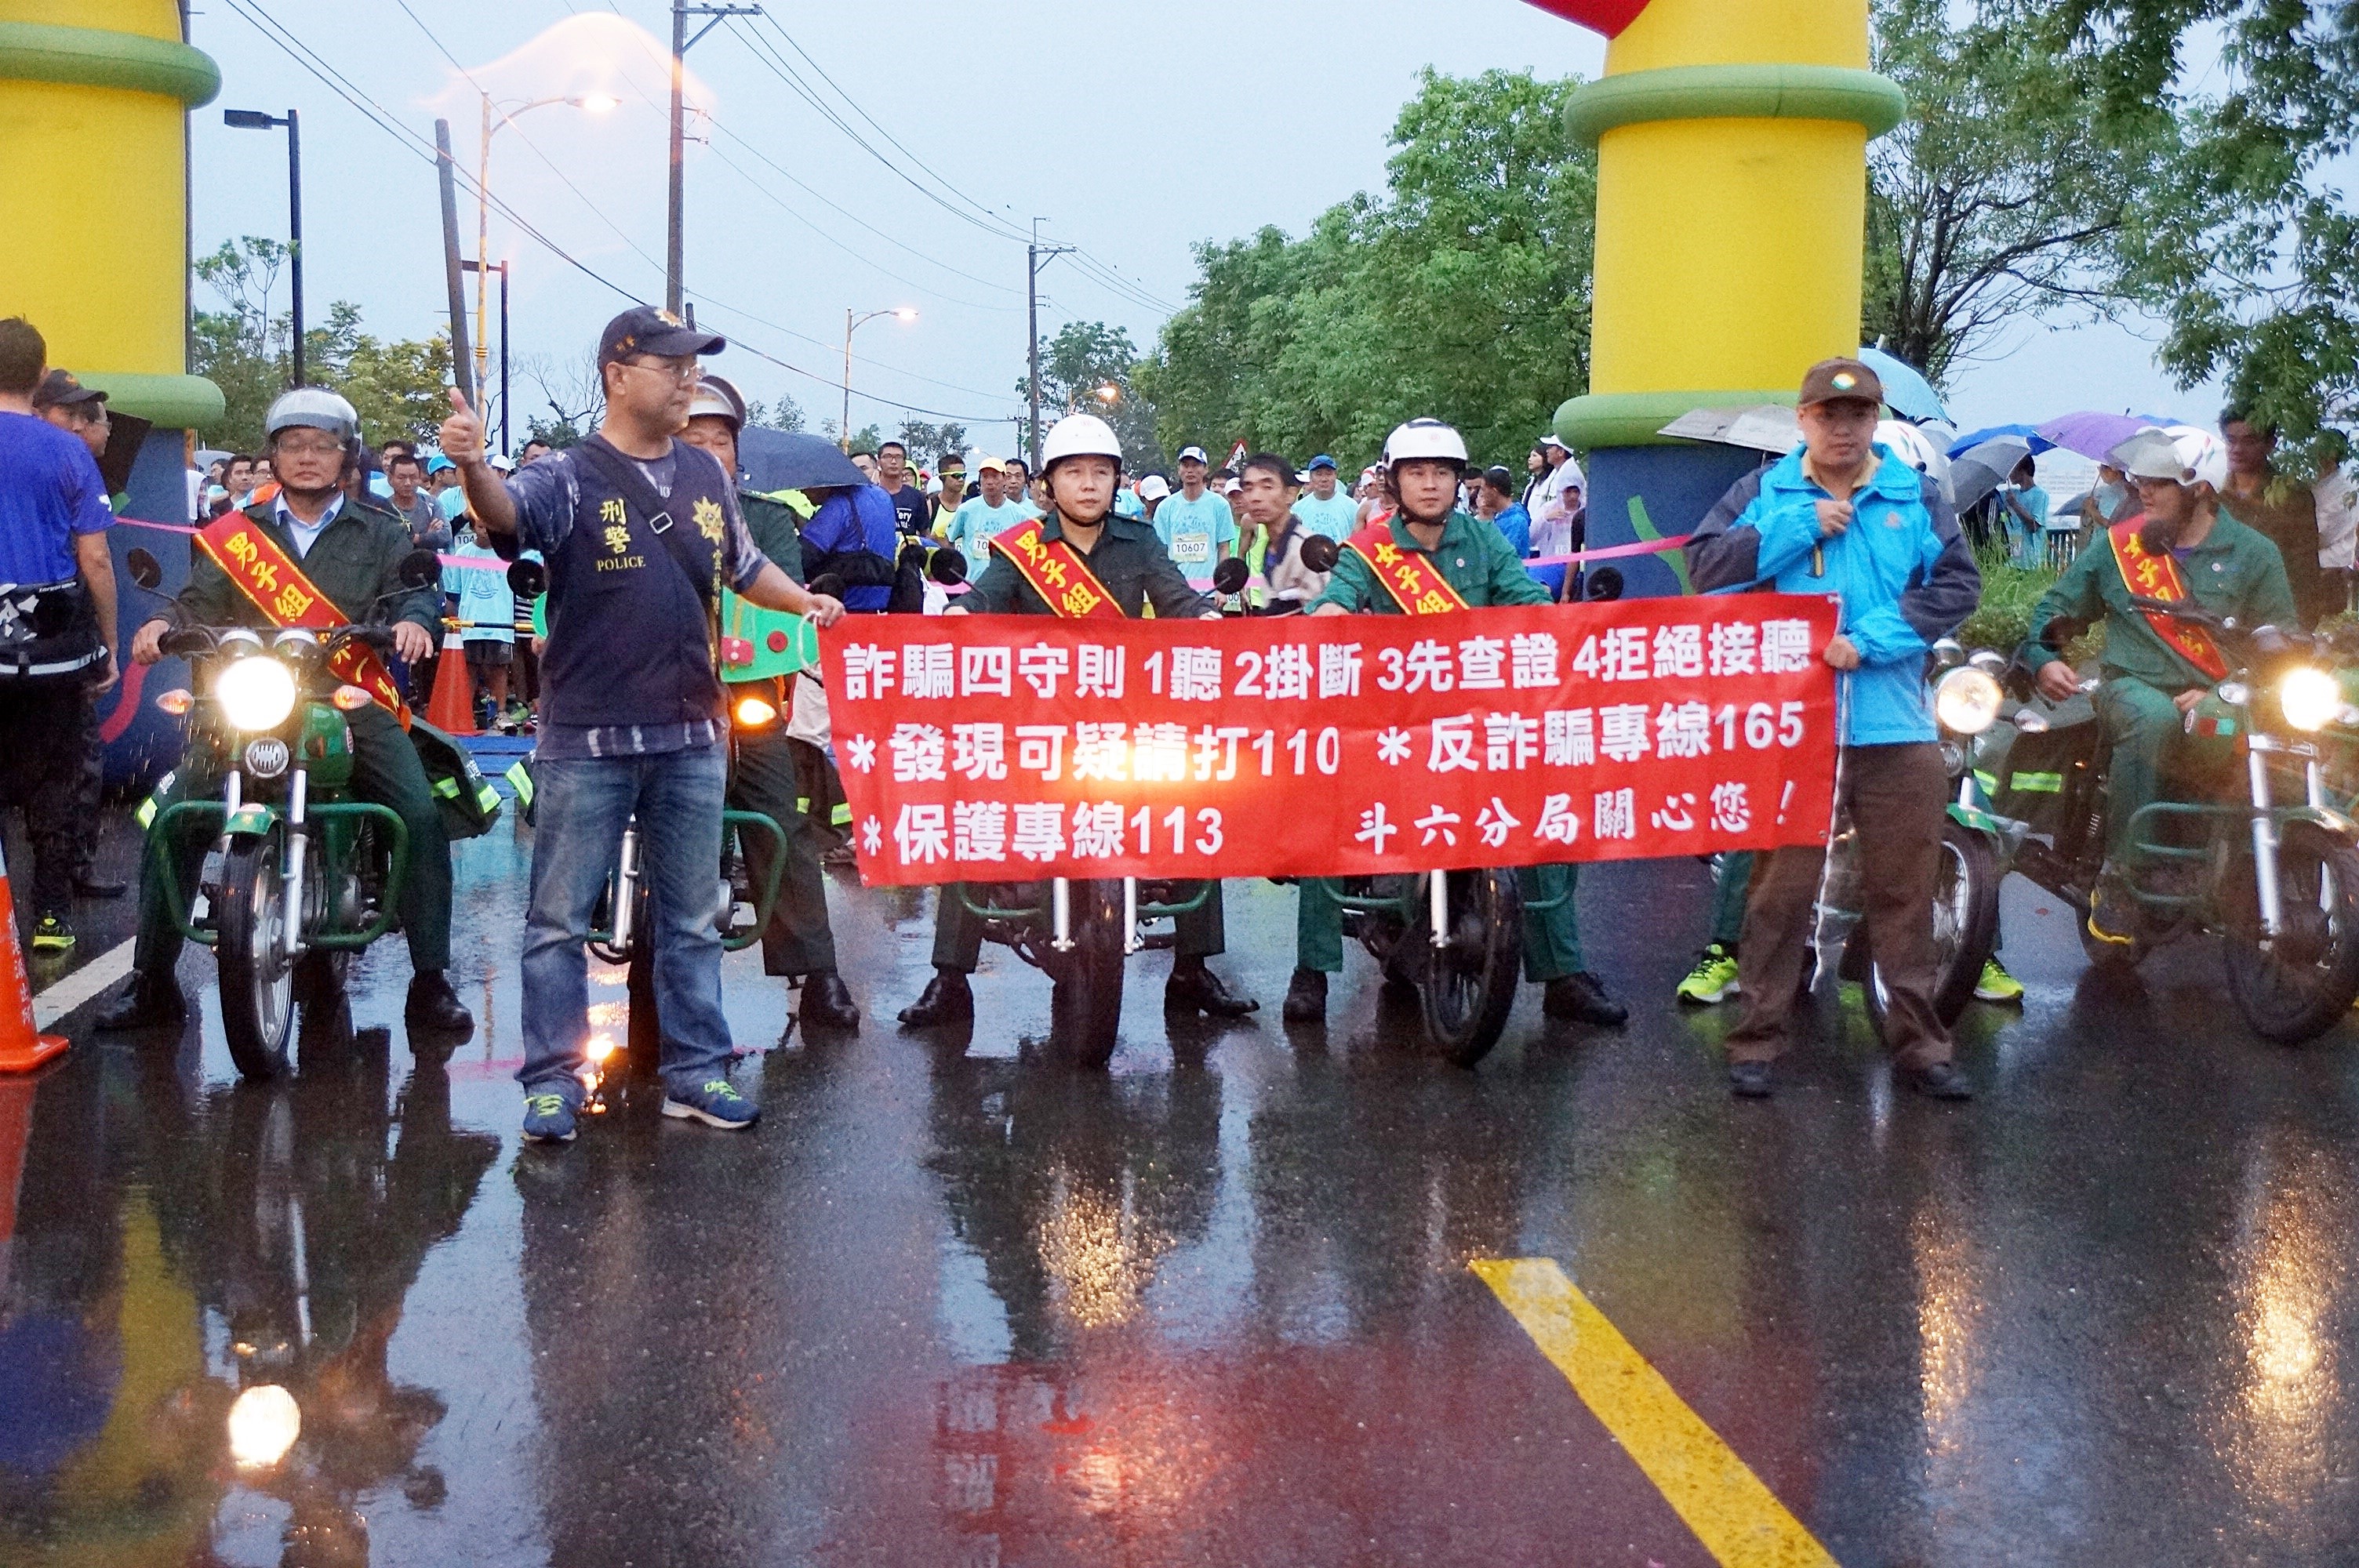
x=452, y=709
x=22, y=1048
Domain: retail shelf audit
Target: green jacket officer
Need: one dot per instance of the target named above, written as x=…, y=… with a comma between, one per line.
x=2184, y=547
x=1082, y=460
x=352, y=552
x=1426, y=464
x=799, y=941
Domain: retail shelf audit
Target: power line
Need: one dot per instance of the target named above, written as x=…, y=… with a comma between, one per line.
x=857, y=359
x=259, y=17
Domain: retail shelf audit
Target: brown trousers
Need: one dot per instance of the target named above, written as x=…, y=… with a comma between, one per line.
x=1898, y=795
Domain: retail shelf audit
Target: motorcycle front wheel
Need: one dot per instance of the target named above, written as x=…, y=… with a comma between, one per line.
x=257, y=979
x=2305, y=980
x=1467, y=986
x=1965, y=926
x=1085, y=1005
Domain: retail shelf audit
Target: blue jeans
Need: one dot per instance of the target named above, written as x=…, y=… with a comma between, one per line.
x=582, y=806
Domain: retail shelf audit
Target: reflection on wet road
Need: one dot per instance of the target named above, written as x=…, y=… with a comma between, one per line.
x=950, y=1305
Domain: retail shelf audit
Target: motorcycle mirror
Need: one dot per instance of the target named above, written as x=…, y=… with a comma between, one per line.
x=1321, y=553
x=146, y=571
x=420, y=568
x=528, y=579
x=1231, y=576
x=948, y=567
x=1948, y=653
x=1605, y=585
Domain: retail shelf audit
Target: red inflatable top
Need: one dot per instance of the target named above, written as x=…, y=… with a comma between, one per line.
x=1607, y=16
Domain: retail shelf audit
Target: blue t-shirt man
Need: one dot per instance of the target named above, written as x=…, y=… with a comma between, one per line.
x=1194, y=532
x=1338, y=516
x=972, y=526
x=49, y=494
x=1514, y=525
x=856, y=518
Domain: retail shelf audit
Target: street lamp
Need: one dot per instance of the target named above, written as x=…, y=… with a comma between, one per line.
x=257, y=120
x=851, y=321
x=593, y=103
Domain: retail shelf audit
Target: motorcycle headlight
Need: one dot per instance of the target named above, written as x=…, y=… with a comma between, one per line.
x=255, y=693
x=1967, y=700
x=2309, y=697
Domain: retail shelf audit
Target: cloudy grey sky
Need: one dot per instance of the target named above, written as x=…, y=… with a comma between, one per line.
x=1135, y=130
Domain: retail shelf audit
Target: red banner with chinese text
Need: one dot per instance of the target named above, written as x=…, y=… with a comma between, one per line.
x=1014, y=748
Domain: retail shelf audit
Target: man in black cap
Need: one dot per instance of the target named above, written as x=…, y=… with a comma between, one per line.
x=640, y=531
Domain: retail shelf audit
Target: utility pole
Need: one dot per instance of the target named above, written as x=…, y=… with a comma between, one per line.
x=1032, y=292
x=680, y=44
x=479, y=269
x=462, y=366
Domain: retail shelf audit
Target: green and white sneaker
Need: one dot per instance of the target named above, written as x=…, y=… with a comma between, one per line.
x=1997, y=985
x=1714, y=979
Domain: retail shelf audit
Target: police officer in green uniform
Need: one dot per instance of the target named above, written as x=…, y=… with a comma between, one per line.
x=1081, y=459
x=798, y=940
x=2150, y=686
x=1425, y=465
x=351, y=551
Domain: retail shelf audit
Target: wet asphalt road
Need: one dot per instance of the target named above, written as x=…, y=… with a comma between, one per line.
x=951, y=1305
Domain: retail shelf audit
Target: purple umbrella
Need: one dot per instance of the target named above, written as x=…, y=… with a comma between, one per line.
x=2093, y=435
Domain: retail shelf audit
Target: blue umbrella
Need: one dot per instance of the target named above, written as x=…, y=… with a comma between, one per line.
x=1906, y=391
x=2028, y=434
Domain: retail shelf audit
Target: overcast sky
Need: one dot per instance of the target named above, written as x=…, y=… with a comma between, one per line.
x=1135, y=130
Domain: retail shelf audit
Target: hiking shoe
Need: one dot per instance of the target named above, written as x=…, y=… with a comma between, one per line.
x=1997, y=985
x=548, y=1118
x=53, y=935
x=2114, y=914
x=1714, y=979
x=1579, y=996
x=714, y=1102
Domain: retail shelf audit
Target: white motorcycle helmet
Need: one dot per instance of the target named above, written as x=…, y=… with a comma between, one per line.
x=1425, y=438
x=1912, y=447
x=1079, y=436
x=314, y=408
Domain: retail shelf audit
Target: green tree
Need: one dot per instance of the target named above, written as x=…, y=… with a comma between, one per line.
x=928, y=444
x=2247, y=243
x=2002, y=196
x=1462, y=292
x=784, y=414
x=395, y=388
x=1087, y=368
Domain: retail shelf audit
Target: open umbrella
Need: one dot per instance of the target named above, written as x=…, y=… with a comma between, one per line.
x=1906, y=391
x=2094, y=435
x=2028, y=435
x=785, y=460
x=1982, y=469
x=1764, y=428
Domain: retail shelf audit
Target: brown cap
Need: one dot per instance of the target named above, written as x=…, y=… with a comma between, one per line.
x=1831, y=379
x=59, y=389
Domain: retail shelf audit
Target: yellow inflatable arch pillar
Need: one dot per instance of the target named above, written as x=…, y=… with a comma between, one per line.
x=94, y=96
x=1732, y=198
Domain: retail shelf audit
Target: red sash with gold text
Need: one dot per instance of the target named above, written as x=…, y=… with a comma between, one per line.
x=2150, y=576
x=1055, y=571
x=1414, y=584
x=277, y=587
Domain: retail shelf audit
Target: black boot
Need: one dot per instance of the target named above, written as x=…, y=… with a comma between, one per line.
x=433, y=1005
x=145, y=1002
x=946, y=999
x=1580, y=997
x=1306, y=996
x=827, y=1002
x=1192, y=988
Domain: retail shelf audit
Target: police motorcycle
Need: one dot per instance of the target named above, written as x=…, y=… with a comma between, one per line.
x=302, y=874
x=1976, y=845
x=621, y=928
x=2278, y=882
x=1454, y=939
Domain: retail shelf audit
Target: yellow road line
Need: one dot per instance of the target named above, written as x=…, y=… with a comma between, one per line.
x=1738, y=1520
